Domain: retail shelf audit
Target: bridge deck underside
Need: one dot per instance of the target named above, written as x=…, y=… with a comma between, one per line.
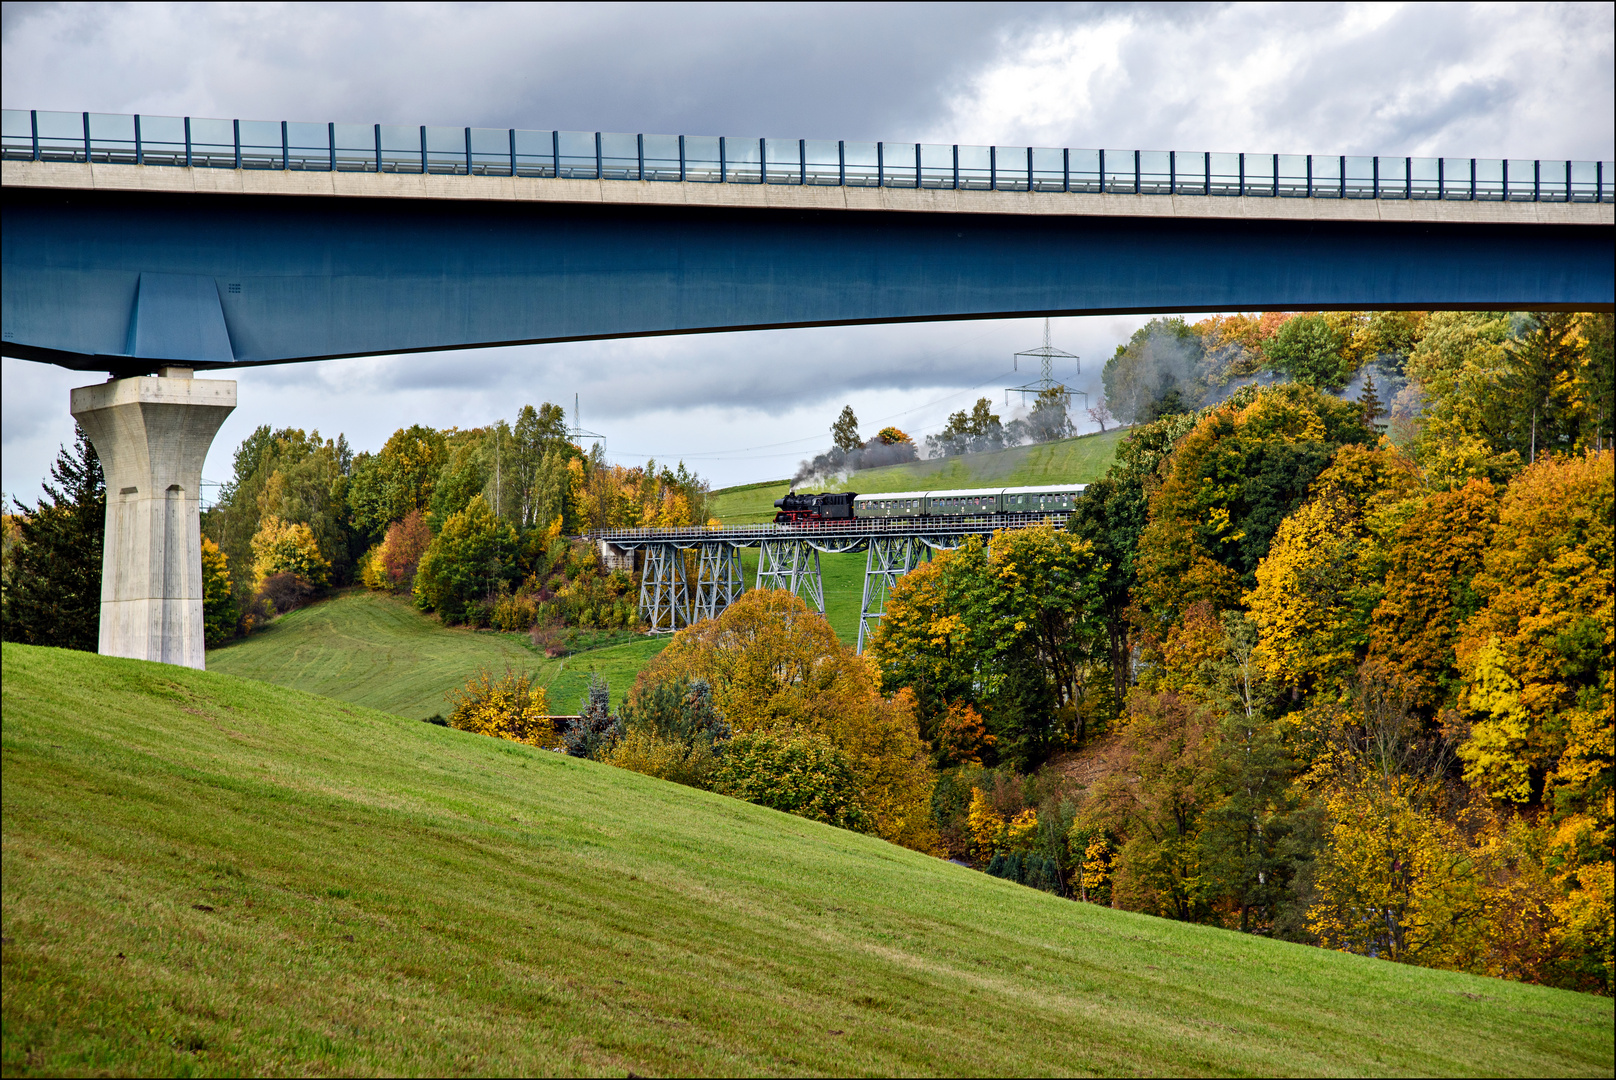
x=308, y=278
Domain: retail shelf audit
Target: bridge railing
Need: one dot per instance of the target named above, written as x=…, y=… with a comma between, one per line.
x=196, y=142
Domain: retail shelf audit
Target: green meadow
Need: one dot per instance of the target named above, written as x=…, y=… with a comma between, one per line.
x=210, y=874
x=371, y=649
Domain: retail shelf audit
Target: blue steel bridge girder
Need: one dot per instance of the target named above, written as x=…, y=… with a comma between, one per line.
x=120, y=280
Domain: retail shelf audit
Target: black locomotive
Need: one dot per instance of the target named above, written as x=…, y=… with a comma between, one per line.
x=797, y=509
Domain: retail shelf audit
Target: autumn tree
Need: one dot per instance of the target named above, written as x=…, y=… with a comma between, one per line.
x=975, y=432
x=1427, y=593
x=472, y=557
x=1310, y=350
x=776, y=666
x=287, y=547
x=1321, y=579
x=397, y=479
x=1536, y=659
x=1110, y=516
x=297, y=477
x=1156, y=373
x=1246, y=466
x=220, y=614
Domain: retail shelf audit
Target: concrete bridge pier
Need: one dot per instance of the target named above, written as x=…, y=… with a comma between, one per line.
x=152, y=434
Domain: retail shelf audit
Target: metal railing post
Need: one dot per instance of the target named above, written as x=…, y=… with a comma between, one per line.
x=880, y=165
x=1102, y=171
x=639, y=149
x=468, y=151
x=841, y=163
x=723, y=161
x=802, y=162
x=1029, y=169
x=139, y=157
x=33, y=124
x=555, y=154
x=1537, y=179
x=993, y=168
x=917, y=166
x=330, y=142
x=1441, y=174
x=681, y=158
x=1241, y=182
x=378, y=148
x=600, y=162
x=1172, y=172
x=286, y=148
x=1309, y=176
x=188, y=163
x=236, y=124
x=1408, y=178
x=956, y=166
x=1136, y=175
x=1504, y=171
x=86, y=137
x=1374, y=171
x=1066, y=169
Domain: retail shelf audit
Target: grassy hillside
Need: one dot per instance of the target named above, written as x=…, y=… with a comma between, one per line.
x=203, y=874
x=1077, y=460
x=379, y=651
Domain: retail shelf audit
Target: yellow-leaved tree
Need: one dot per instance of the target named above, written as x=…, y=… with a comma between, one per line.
x=1538, y=674
x=285, y=547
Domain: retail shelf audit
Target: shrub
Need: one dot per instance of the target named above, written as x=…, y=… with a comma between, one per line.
x=280, y=593
x=513, y=613
x=596, y=729
x=509, y=707
x=795, y=771
x=1033, y=871
x=671, y=730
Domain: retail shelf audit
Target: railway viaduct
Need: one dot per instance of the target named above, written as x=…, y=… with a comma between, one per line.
x=154, y=250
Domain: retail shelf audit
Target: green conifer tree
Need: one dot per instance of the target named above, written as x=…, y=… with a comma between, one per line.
x=52, y=587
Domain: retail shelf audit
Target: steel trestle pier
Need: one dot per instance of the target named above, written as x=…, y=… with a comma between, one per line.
x=691, y=574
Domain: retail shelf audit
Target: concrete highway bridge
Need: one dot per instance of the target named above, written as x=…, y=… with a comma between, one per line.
x=154, y=247
x=687, y=575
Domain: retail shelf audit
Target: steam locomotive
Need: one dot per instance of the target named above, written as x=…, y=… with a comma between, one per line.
x=830, y=507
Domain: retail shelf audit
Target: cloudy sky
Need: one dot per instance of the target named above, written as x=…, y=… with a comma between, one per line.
x=1485, y=80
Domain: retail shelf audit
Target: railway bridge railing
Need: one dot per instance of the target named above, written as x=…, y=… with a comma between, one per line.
x=690, y=574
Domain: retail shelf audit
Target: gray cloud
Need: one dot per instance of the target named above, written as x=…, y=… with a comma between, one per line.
x=1465, y=79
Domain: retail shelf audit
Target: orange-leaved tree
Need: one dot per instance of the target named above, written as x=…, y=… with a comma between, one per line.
x=1433, y=558
x=775, y=665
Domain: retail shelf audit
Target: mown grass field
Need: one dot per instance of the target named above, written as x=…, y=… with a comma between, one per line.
x=1075, y=461
x=205, y=874
x=376, y=650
